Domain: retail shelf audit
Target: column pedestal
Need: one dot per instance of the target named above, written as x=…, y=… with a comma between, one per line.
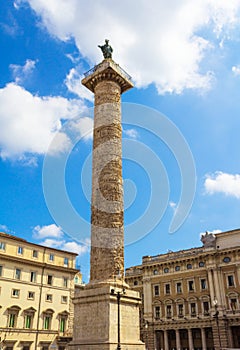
x=96, y=319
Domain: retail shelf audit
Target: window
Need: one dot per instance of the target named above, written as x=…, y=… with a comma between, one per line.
x=12, y=320
x=1, y=269
x=193, y=309
x=203, y=283
x=177, y=268
x=233, y=304
x=66, y=261
x=191, y=286
x=47, y=321
x=226, y=259
x=17, y=274
x=51, y=257
x=157, y=311
x=16, y=293
x=28, y=321
x=12, y=316
x=167, y=288
x=201, y=264
x=230, y=280
x=20, y=250
x=49, y=279
x=189, y=266
x=166, y=270
x=33, y=276
x=155, y=272
x=156, y=290
x=49, y=297
x=2, y=245
x=65, y=282
x=169, y=311
x=62, y=325
x=135, y=283
x=64, y=299
x=206, y=308
x=35, y=254
x=180, y=310
x=31, y=295
x=179, y=287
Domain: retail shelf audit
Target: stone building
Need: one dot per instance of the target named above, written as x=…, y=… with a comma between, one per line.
x=36, y=290
x=190, y=298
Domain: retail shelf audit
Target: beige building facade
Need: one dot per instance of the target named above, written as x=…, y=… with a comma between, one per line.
x=36, y=291
x=190, y=298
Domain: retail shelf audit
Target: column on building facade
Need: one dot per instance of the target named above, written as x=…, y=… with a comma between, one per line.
x=203, y=336
x=166, y=346
x=190, y=339
x=147, y=292
x=178, y=342
x=210, y=281
x=222, y=301
x=217, y=286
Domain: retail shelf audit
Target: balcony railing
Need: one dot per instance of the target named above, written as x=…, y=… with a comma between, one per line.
x=121, y=70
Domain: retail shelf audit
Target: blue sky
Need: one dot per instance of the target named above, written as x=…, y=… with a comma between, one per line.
x=181, y=119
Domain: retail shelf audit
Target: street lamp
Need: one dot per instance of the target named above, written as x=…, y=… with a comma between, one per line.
x=215, y=304
x=118, y=295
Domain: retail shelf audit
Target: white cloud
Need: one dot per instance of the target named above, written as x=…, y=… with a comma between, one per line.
x=21, y=73
x=73, y=83
x=54, y=237
x=5, y=229
x=157, y=42
x=236, y=70
x=172, y=205
x=52, y=230
x=219, y=182
x=132, y=133
x=215, y=232
x=28, y=123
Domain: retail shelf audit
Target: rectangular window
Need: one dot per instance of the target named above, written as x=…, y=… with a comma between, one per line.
x=49, y=279
x=179, y=287
x=1, y=270
x=206, y=307
x=12, y=320
x=190, y=286
x=16, y=293
x=65, y=282
x=193, y=309
x=31, y=295
x=167, y=288
x=180, y=310
x=169, y=311
x=51, y=257
x=66, y=261
x=35, y=253
x=203, y=284
x=49, y=297
x=233, y=304
x=47, y=322
x=156, y=290
x=2, y=246
x=28, y=321
x=230, y=281
x=17, y=274
x=20, y=250
x=33, y=276
x=157, y=311
x=64, y=299
x=62, y=324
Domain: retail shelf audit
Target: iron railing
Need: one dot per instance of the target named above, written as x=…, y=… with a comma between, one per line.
x=92, y=70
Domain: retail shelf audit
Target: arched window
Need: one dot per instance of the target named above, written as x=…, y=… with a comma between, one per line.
x=13, y=312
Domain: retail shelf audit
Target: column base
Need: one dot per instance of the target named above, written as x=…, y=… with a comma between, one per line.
x=96, y=318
